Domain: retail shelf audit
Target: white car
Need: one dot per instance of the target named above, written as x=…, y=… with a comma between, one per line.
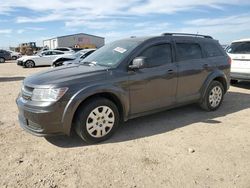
x=14, y=55
x=42, y=59
x=65, y=50
x=239, y=52
x=68, y=59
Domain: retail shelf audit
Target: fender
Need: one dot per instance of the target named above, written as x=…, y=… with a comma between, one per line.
x=216, y=74
x=86, y=92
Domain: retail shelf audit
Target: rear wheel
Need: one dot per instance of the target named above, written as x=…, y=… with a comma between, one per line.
x=96, y=120
x=2, y=60
x=14, y=57
x=213, y=97
x=29, y=64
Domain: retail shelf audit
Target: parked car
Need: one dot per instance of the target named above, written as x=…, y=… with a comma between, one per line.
x=123, y=80
x=65, y=49
x=4, y=55
x=42, y=59
x=14, y=55
x=69, y=59
x=239, y=51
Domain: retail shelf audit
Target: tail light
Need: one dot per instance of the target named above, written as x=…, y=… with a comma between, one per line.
x=229, y=61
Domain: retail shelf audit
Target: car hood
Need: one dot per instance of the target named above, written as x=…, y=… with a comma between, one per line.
x=66, y=75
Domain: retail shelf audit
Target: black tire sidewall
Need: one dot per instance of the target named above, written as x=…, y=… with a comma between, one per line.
x=83, y=114
x=211, y=86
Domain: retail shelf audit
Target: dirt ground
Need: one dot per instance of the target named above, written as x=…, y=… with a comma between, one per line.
x=184, y=147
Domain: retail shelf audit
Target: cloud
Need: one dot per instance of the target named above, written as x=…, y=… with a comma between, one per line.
x=20, y=31
x=5, y=31
x=27, y=29
x=55, y=10
x=170, y=7
x=230, y=20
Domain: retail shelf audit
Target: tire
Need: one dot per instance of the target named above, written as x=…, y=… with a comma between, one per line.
x=213, y=97
x=14, y=57
x=57, y=64
x=90, y=123
x=2, y=60
x=233, y=81
x=29, y=64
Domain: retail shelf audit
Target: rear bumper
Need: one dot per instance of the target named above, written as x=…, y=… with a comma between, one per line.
x=240, y=76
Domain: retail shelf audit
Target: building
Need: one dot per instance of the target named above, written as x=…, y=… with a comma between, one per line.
x=80, y=40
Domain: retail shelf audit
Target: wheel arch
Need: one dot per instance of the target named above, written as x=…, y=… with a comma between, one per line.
x=118, y=98
x=218, y=76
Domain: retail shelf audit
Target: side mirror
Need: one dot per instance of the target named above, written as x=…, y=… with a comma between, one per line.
x=137, y=63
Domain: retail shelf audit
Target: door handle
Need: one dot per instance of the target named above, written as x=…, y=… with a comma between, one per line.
x=170, y=71
x=205, y=66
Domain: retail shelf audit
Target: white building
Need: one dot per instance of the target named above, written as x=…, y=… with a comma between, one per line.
x=77, y=40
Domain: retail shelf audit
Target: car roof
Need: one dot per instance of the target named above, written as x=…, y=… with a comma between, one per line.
x=182, y=37
x=242, y=40
x=53, y=51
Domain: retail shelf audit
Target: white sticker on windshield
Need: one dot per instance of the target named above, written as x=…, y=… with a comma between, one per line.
x=120, y=50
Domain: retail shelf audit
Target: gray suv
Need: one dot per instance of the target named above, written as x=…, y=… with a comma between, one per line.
x=123, y=80
x=4, y=55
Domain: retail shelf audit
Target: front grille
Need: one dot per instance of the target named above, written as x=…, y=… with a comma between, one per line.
x=27, y=92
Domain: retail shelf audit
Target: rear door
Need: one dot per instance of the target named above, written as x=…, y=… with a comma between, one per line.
x=193, y=69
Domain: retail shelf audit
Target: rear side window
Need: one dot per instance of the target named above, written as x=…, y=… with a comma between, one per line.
x=158, y=55
x=239, y=47
x=212, y=50
x=188, y=51
x=57, y=53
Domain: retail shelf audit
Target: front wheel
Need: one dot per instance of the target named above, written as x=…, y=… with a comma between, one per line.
x=213, y=97
x=96, y=120
x=2, y=60
x=29, y=64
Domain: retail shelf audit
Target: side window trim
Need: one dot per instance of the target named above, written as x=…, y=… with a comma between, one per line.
x=144, y=46
x=157, y=44
x=190, y=42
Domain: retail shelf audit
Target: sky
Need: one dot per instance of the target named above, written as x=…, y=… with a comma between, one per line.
x=33, y=20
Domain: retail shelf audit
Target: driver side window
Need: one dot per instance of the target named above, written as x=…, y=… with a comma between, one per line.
x=46, y=53
x=158, y=55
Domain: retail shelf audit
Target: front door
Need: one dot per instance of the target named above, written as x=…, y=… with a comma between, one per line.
x=153, y=87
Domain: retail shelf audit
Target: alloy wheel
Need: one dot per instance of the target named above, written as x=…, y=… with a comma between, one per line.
x=215, y=96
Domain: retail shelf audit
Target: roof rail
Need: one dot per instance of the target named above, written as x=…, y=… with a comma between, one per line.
x=187, y=34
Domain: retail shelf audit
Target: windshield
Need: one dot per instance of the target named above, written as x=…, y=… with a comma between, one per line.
x=78, y=54
x=239, y=48
x=111, y=54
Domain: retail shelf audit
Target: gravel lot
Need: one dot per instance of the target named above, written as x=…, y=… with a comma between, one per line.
x=184, y=147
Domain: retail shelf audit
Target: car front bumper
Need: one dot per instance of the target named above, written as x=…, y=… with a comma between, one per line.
x=41, y=121
x=21, y=63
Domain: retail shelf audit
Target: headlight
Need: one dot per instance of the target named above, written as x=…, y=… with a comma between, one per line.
x=48, y=94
